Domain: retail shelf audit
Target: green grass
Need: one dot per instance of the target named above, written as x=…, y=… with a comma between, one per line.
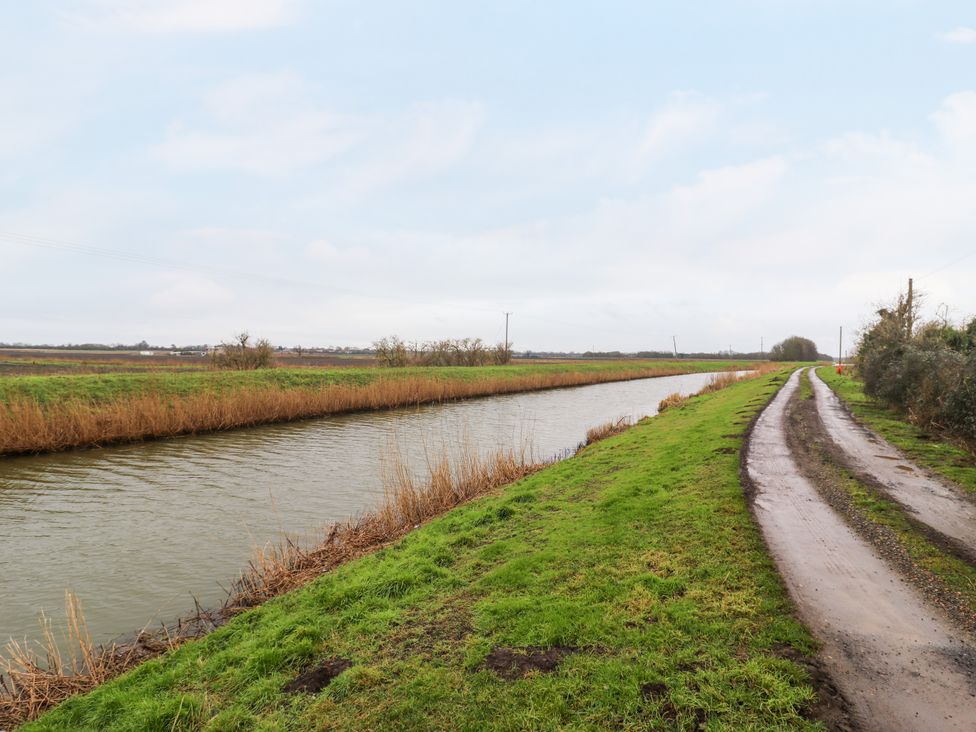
x=930, y=450
x=640, y=552
x=110, y=386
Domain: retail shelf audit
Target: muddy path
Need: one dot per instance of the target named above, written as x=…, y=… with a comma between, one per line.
x=929, y=500
x=899, y=661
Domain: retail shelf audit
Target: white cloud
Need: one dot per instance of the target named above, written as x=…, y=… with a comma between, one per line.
x=186, y=291
x=193, y=16
x=686, y=118
x=35, y=113
x=962, y=34
x=258, y=123
x=428, y=138
x=956, y=120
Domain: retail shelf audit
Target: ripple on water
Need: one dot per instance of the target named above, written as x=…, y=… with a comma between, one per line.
x=139, y=530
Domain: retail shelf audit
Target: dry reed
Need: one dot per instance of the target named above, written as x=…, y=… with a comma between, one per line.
x=37, y=676
x=607, y=429
x=407, y=504
x=671, y=401
x=28, y=427
x=34, y=679
x=718, y=382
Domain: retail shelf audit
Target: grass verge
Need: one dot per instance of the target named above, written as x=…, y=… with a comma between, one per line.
x=936, y=452
x=626, y=588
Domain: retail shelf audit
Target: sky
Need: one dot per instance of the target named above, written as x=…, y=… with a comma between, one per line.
x=614, y=174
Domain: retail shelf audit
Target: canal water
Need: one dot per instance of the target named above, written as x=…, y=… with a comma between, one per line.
x=140, y=531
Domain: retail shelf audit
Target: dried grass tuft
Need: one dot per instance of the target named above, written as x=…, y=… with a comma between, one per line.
x=607, y=429
x=671, y=401
x=408, y=503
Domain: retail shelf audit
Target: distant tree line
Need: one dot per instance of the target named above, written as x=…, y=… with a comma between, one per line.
x=394, y=352
x=794, y=348
x=927, y=369
x=140, y=346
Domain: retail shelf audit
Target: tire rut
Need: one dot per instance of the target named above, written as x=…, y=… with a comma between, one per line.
x=944, y=508
x=899, y=661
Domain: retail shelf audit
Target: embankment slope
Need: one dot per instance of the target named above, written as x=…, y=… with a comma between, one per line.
x=626, y=588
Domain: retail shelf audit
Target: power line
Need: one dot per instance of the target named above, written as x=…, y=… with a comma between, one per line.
x=946, y=266
x=147, y=259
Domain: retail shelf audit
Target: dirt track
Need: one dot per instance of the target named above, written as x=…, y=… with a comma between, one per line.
x=929, y=500
x=899, y=661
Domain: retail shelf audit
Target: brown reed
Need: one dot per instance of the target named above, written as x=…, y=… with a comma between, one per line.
x=607, y=429
x=671, y=401
x=36, y=677
x=29, y=427
x=408, y=503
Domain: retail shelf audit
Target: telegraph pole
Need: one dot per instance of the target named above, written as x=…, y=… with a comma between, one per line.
x=840, y=347
x=909, y=318
x=674, y=341
x=506, y=333
x=762, y=348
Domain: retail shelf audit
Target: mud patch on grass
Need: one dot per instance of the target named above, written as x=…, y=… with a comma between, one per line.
x=317, y=678
x=517, y=663
x=830, y=707
x=438, y=634
x=658, y=693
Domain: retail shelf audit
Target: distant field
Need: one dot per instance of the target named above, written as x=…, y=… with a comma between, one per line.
x=39, y=362
x=112, y=386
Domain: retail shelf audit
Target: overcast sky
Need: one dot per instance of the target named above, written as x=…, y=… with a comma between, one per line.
x=613, y=173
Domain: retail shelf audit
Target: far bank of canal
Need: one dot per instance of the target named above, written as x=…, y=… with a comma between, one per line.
x=139, y=531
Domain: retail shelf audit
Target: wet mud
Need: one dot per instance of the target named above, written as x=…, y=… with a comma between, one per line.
x=899, y=661
x=821, y=462
x=516, y=663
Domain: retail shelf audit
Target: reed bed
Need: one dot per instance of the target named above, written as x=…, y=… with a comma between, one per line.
x=408, y=503
x=36, y=677
x=607, y=429
x=718, y=382
x=672, y=401
x=28, y=427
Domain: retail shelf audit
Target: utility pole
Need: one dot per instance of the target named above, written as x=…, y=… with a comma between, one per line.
x=840, y=347
x=762, y=348
x=909, y=316
x=674, y=341
x=506, y=333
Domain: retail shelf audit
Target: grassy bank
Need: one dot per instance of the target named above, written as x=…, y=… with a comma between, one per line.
x=45, y=413
x=626, y=588
x=938, y=453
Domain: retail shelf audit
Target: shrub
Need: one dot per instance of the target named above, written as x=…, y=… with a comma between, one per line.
x=240, y=355
x=929, y=372
x=394, y=352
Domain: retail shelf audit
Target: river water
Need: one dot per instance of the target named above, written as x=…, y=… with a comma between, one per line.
x=139, y=531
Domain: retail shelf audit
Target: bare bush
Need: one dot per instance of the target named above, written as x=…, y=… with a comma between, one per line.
x=393, y=352
x=240, y=355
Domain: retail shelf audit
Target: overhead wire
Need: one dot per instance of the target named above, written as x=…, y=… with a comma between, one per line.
x=200, y=267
